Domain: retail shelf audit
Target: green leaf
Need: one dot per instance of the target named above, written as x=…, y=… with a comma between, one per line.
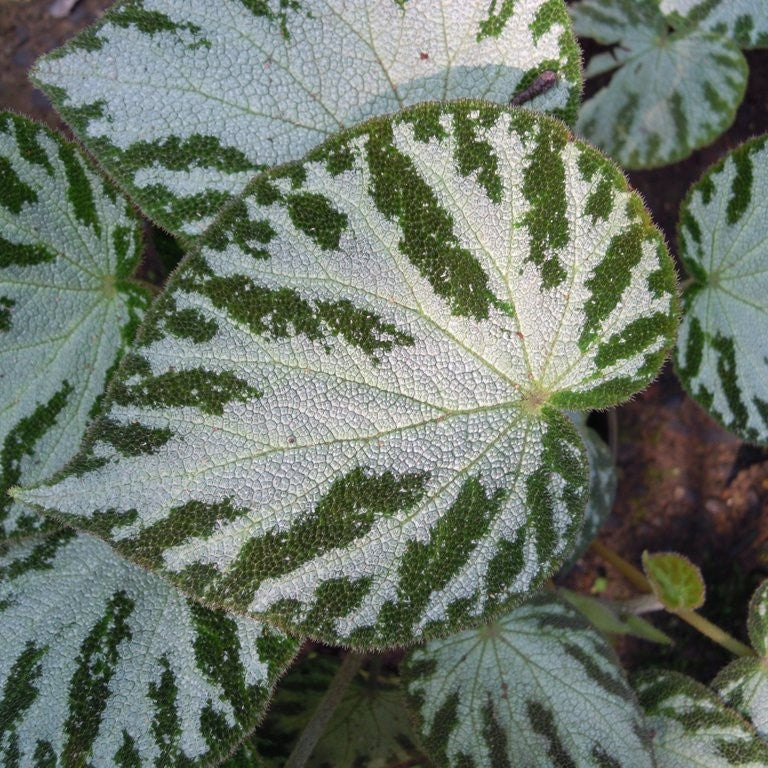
x=519, y=692
x=745, y=21
x=743, y=684
x=68, y=246
x=722, y=351
x=183, y=102
x=671, y=94
x=692, y=726
x=612, y=619
x=676, y=581
x=104, y=664
x=359, y=370
x=369, y=728
x=602, y=485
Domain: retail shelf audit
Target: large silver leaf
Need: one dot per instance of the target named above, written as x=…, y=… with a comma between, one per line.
x=672, y=92
x=341, y=416
x=104, y=664
x=68, y=246
x=693, y=727
x=722, y=351
x=183, y=100
x=538, y=687
x=746, y=21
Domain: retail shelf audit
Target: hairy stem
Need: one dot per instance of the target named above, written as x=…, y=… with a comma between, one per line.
x=698, y=622
x=325, y=709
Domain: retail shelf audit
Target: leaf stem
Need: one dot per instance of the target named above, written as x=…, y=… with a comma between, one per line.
x=325, y=709
x=697, y=621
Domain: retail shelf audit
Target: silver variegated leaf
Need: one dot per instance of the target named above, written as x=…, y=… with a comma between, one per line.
x=743, y=684
x=184, y=101
x=672, y=92
x=722, y=350
x=746, y=21
x=602, y=485
x=68, y=246
x=104, y=664
x=519, y=691
x=342, y=414
x=692, y=726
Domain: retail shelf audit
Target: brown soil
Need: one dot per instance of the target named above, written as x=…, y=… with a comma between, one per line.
x=685, y=483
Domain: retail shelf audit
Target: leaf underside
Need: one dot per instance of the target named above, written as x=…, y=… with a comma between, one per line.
x=745, y=21
x=104, y=664
x=370, y=727
x=670, y=93
x=692, y=726
x=602, y=485
x=340, y=415
x=722, y=350
x=519, y=692
x=184, y=102
x=68, y=245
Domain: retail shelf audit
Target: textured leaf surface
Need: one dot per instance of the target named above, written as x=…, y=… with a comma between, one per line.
x=722, y=351
x=183, y=101
x=746, y=21
x=676, y=581
x=348, y=392
x=692, y=726
x=602, y=485
x=671, y=94
x=743, y=684
x=369, y=728
x=104, y=664
x=68, y=245
x=519, y=692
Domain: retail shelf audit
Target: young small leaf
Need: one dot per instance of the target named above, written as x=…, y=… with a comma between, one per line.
x=743, y=684
x=183, y=102
x=692, y=726
x=104, y=664
x=671, y=94
x=722, y=351
x=68, y=245
x=745, y=21
x=676, y=581
x=360, y=370
x=519, y=692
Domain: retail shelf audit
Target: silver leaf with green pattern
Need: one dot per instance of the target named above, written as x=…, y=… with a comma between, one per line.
x=184, y=101
x=722, y=351
x=104, y=664
x=671, y=93
x=746, y=21
x=68, y=246
x=692, y=726
x=743, y=684
x=344, y=413
x=519, y=692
